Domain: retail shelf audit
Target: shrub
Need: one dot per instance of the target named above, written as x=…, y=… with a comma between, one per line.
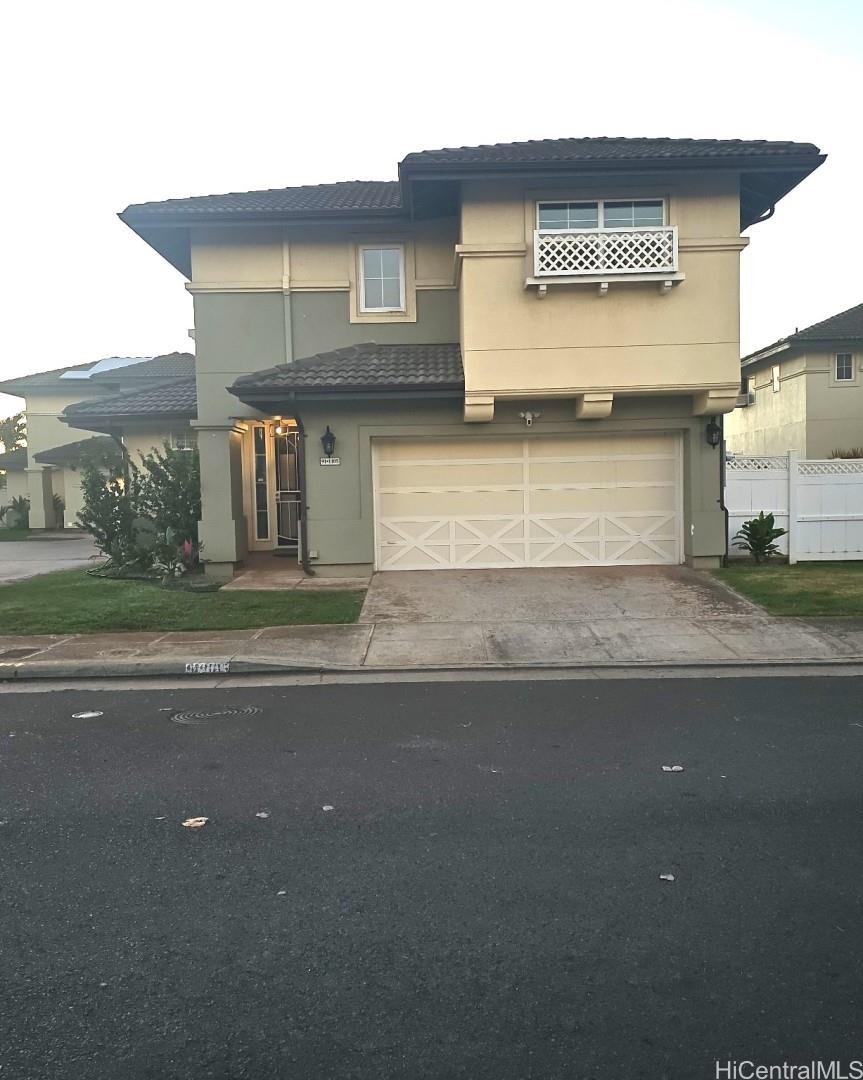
x=59, y=510
x=144, y=519
x=18, y=513
x=758, y=536
x=852, y=452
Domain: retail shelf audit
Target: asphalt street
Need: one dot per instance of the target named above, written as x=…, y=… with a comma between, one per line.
x=431, y=880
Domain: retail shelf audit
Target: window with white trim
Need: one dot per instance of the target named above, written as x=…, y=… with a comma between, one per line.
x=601, y=214
x=382, y=278
x=844, y=367
x=184, y=440
x=774, y=371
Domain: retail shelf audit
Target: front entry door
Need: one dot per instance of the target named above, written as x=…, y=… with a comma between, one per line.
x=287, y=448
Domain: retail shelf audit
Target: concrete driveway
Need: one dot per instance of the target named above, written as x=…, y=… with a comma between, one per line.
x=549, y=595
x=588, y=615
x=21, y=559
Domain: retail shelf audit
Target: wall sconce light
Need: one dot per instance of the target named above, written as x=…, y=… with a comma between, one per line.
x=328, y=442
x=529, y=417
x=713, y=433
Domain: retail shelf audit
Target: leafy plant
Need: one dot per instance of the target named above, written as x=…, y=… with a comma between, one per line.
x=758, y=536
x=13, y=432
x=852, y=452
x=59, y=509
x=18, y=513
x=144, y=519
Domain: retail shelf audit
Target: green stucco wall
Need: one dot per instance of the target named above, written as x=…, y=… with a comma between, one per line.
x=320, y=322
x=340, y=504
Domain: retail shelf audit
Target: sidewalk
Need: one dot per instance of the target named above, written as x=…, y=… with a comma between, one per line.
x=378, y=647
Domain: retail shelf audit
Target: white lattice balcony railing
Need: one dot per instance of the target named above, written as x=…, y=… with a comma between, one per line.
x=575, y=252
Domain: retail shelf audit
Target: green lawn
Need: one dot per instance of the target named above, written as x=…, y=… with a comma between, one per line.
x=74, y=602
x=804, y=589
x=14, y=534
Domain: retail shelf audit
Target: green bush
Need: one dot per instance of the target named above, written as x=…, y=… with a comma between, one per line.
x=144, y=519
x=18, y=513
x=758, y=536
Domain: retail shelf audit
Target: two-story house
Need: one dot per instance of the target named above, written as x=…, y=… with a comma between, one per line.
x=803, y=392
x=47, y=471
x=511, y=356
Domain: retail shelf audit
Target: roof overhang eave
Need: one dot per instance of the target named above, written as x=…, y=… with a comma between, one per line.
x=268, y=397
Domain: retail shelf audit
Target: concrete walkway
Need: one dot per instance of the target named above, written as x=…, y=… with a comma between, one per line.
x=20, y=559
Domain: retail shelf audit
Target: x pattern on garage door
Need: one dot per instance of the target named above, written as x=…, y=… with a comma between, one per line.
x=542, y=501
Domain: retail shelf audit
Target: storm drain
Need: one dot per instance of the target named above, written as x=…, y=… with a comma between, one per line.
x=191, y=719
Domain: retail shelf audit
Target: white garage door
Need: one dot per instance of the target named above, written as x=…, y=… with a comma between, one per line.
x=536, y=501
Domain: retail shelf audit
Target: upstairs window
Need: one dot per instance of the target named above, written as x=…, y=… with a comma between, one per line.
x=382, y=278
x=844, y=367
x=774, y=378
x=602, y=214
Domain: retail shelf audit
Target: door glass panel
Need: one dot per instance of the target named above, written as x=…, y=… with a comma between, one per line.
x=287, y=489
x=262, y=516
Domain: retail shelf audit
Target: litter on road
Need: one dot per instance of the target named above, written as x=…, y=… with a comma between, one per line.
x=672, y=768
x=263, y=813
x=666, y=877
x=328, y=807
x=195, y=822
x=88, y=715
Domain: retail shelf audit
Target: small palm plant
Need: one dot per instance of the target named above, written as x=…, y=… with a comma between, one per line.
x=758, y=536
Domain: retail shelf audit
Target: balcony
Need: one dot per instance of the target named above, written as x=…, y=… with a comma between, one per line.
x=598, y=256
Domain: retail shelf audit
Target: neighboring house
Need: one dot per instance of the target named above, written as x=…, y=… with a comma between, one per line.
x=804, y=392
x=13, y=464
x=512, y=355
x=50, y=465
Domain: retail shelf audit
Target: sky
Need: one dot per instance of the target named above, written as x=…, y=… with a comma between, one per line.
x=107, y=104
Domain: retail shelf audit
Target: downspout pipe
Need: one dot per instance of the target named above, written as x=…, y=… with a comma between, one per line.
x=124, y=453
x=304, y=532
x=722, y=471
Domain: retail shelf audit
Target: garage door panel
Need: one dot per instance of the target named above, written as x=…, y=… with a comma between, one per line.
x=456, y=474
x=532, y=501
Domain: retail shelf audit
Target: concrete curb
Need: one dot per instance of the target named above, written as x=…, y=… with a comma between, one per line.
x=228, y=666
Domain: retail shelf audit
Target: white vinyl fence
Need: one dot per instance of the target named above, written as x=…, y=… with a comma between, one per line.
x=819, y=503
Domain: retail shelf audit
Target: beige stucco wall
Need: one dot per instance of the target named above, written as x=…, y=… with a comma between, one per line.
x=631, y=340
x=834, y=410
x=811, y=413
x=776, y=422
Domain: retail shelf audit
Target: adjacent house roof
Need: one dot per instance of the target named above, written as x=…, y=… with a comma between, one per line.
x=102, y=373
x=14, y=460
x=845, y=326
x=427, y=183
x=71, y=453
x=366, y=369
x=176, y=400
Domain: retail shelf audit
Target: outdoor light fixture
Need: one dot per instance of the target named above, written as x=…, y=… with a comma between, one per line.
x=328, y=442
x=713, y=432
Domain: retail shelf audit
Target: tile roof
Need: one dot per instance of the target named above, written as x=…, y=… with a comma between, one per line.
x=169, y=364
x=540, y=151
x=845, y=326
x=70, y=453
x=367, y=367
x=14, y=459
x=177, y=398
x=348, y=196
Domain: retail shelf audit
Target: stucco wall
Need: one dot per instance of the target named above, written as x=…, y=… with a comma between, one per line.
x=633, y=338
x=341, y=514
x=834, y=410
x=777, y=421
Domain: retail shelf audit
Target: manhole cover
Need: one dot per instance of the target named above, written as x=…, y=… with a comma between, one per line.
x=190, y=718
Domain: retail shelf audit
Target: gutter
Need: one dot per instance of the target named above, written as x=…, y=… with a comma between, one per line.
x=304, y=530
